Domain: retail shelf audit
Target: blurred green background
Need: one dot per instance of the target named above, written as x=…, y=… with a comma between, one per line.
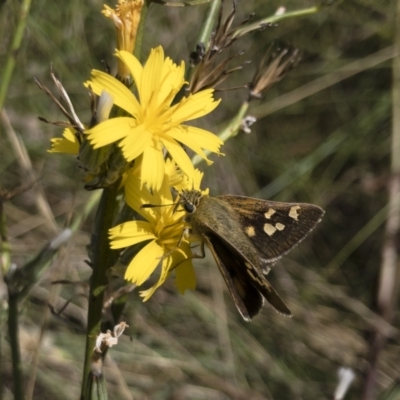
x=323, y=136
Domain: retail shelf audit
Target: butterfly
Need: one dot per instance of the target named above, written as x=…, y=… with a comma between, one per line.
x=247, y=236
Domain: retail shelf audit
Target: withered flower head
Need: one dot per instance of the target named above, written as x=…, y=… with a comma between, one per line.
x=279, y=63
x=126, y=18
x=209, y=72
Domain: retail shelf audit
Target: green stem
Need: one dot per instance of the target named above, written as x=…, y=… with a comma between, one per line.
x=230, y=131
x=274, y=19
x=5, y=77
x=209, y=22
x=206, y=31
x=233, y=128
x=102, y=258
x=13, y=333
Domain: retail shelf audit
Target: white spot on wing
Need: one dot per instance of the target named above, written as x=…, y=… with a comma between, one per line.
x=269, y=213
x=269, y=229
x=293, y=212
x=280, y=226
x=250, y=231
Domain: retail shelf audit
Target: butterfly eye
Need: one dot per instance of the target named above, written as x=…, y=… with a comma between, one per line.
x=189, y=208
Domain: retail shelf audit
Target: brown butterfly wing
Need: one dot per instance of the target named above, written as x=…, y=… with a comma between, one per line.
x=247, y=287
x=248, y=301
x=274, y=228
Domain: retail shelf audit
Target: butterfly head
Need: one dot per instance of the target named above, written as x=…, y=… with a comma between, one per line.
x=189, y=200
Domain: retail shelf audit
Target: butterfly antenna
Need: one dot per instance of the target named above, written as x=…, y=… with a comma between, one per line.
x=176, y=205
x=156, y=205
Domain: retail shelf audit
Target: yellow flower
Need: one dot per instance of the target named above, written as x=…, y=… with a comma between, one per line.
x=162, y=229
x=181, y=182
x=126, y=18
x=155, y=124
x=69, y=144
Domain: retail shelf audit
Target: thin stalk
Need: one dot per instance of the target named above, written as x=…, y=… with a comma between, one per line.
x=206, y=30
x=102, y=258
x=13, y=333
x=9, y=65
x=233, y=128
x=209, y=22
x=274, y=19
x=230, y=131
x=389, y=269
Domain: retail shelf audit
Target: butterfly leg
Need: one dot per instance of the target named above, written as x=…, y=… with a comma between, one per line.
x=194, y=256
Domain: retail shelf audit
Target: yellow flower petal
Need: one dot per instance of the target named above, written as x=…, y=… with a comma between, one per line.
x=195, y=106
x=173, y=78
x=185, y=277
x=70, y=134
x=181, y=135
x=205, y=139
x=130, y=233
x=110, y=131
x=165, y=271
x=121, y=95
x=153, y=164
x=136, y=196
x=133, y=64
x=144, y=263
x=151, y=75
x=135, y=142
x=179, y=155
x=68, y=145
x=59, y=145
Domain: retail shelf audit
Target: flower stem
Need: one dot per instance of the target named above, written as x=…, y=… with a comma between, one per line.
x=13, y=333
x=274, y=19
x=102, y=258
x=206, y=30
x=230, y=131
x=233, y=128
x=209, y=22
